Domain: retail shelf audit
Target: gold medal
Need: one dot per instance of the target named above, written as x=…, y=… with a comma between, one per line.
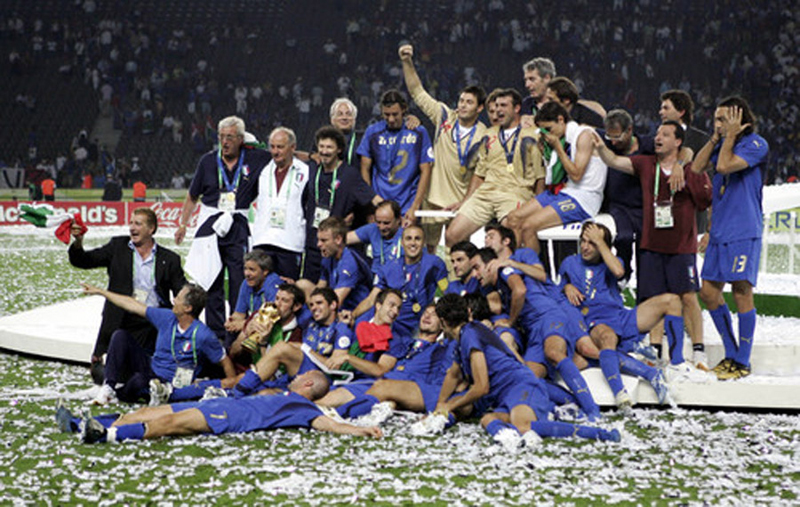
x=510, y=167
x=585, y=311
x=722, y=190
x=463, y=169
x=416, y=307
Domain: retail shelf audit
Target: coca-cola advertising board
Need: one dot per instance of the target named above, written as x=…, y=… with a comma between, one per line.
x=101, y=213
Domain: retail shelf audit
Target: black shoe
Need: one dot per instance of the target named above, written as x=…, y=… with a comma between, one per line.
x=98, y=370
x=64, y=418
x=93, y=431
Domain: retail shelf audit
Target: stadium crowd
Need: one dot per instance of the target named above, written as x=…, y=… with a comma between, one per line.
x=338, y=272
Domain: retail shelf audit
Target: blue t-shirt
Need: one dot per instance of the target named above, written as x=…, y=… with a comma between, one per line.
x=504, y=369
x=383, y=250
x=396, y=157
x=424, y=362
x=597, y=284
x=250, y=301
x=351, y=271
x=194, y=348
x=538, y=296
x=418, y=283
x=737, y=196
x=325, y=339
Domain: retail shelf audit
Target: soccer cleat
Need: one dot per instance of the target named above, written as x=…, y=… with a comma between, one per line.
x=431, y=424
x=610, y=436
x=212, y=393
x=736, y=371
x=64, y=418
x=531, y=440
x=661, y=388
x=510, y=440
x=379, y=413
x=646, y=351
x=700, y=360
x=159, y=392
x=686, y=372
x=569, y=412
x=93, y=432
x=623, y=401
x=723, y=366
x=105, y=396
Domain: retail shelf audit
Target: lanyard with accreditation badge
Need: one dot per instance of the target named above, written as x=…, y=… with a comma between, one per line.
x=662, y=211
x=227, y=198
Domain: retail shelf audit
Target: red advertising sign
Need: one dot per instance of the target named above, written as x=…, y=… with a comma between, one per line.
x=102, y=213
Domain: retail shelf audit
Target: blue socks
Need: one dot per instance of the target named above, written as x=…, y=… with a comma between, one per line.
x=248, y=384
x=722, y=321
x=562, y=430
x=631, y=366
x=361, y=405
x=495, y=426
x=193, y=391
x=573, y=378
x=558, y=394
x=747, y=327
x=133, y=431
x=609, y=363
x=673, y=327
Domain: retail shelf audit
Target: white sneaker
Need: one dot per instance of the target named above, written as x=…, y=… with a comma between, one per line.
x=379, y=413
x=531, y=440
x=105, y=396
x=700, y=360
x=569, y=412
x=212, y=393
x=431, y=424
x=686, y=372
x=623, y=401
x=510, y=440
x=159, y=392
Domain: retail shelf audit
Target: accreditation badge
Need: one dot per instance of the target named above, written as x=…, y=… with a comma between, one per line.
x=663, y=215
x=227, y=201
x=140, y=295
x=320, y=214
x=277, y=217
x=183, y=377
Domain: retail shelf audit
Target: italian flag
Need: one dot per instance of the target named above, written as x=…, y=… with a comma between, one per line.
x=45, y=216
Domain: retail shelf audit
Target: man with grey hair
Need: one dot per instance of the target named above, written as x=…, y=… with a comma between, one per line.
x=537, y=73
x=343, y=116
x=280, y=225
x=226, y=184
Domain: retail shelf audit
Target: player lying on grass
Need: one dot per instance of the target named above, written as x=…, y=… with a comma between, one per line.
x=293, y=408
x=498, y=379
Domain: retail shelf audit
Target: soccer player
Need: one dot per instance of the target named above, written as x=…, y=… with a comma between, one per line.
x=739, y=158
x=455, y=143
x=589, y=281
x=669, y=231
x=226, y=182
x=492, y=372
x=509, y=171
x=465, y=281
x=581, y=170
x=293, y=408
x=260, y=285
x=343, y=270
x=418, y=276
x=395, y=160
x=184, y=346
x=383, y=235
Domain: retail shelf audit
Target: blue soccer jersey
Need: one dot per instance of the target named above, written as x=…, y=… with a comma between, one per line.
x=250, y=301
x=418, y=282
x=597, y=284
x=325, y=339
x=350, y=271
x=461, y=288
x=737, y=196
x=424, y=361
x=383, y=250
x=396, y=157
x=193, y=348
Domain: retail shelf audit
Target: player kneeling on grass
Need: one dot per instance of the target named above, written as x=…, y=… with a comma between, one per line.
x=589, y=281
x=293, y=408
x=491, y=370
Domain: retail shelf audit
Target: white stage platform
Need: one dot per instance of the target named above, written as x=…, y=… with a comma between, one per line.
x=67, y=331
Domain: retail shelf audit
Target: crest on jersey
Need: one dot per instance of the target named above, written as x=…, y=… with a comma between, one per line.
x=343, y=342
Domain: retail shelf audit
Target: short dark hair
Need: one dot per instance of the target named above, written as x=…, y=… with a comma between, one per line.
x=149, y=215
x=384, y=293
x=392, y=97
x=396, y=210
x=619, y=118
x=467, y=247
x=682, y=102
x=564, y=89
x=330, y=132
x=516, y=98
x=679, y=132
x=477, y=91
x=505, y=233
x=486, y=254
x=550, y=111
x=260, y=257
x=492, y=96
x=327, y=293
x=478, y=305
x=297, y=293
x=196, y=297
x=335, y=225
x=747, y=113
x=606, y=231
x=452, y=310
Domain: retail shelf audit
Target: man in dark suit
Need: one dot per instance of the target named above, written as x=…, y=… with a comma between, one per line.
x=136, y=267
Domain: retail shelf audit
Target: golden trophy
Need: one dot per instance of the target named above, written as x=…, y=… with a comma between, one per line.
x=267, y=314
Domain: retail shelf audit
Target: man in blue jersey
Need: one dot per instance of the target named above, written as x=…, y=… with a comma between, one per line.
x=226, y=183
x=738, y=156
x=492, y=372
x=418, y=275
x=260, y=285
x=397, y=161
x=343, y=270
x=383, y=235
x=293, y=408
x=184, y=347
x=589, y=281
x=465, y=281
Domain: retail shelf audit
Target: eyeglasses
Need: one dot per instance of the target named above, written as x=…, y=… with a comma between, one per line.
x=228, y=137
x=618, y=137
